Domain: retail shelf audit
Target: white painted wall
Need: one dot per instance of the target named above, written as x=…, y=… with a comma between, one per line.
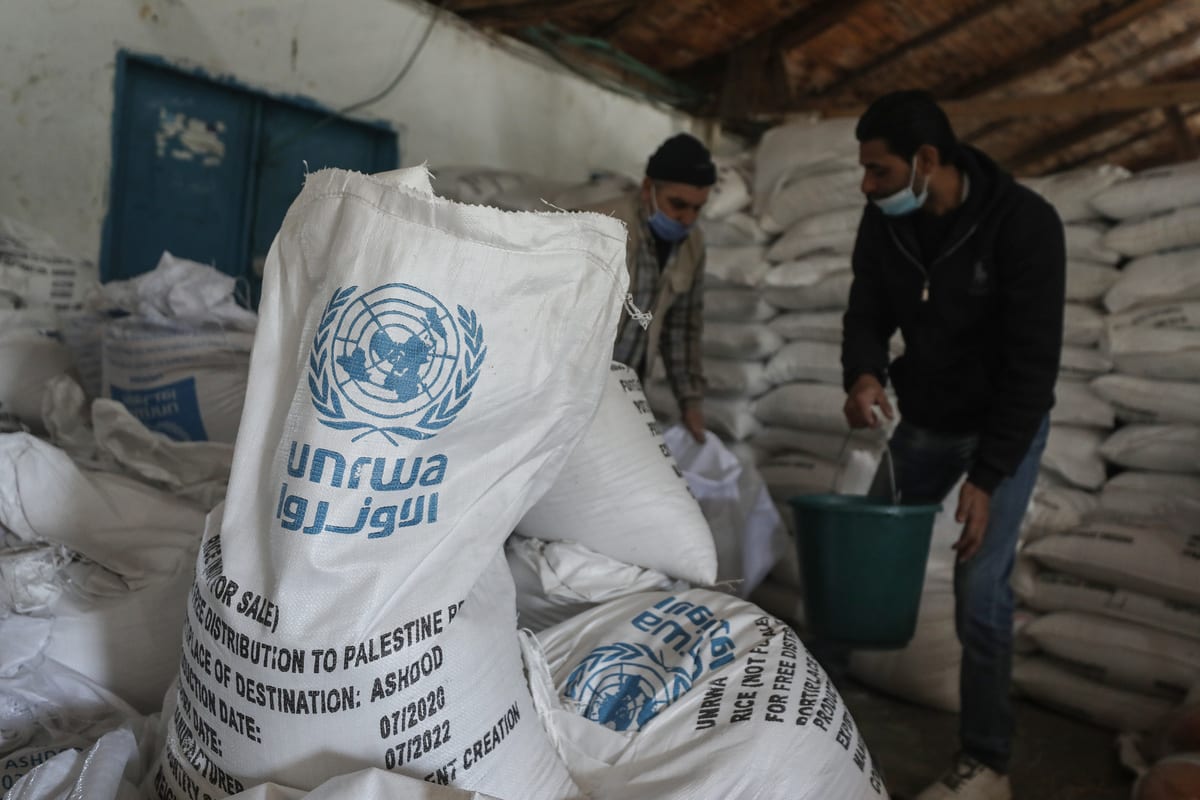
x=467, y=99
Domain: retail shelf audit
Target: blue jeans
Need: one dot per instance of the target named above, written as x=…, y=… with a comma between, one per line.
x=927, y=465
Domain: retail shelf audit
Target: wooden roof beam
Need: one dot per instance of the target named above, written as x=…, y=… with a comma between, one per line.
x=1118, y=98
x=806, y=25
x=1054, y=50
x=1045, y=148
x=523, y=13
x=1186, y=36
x=851, y=80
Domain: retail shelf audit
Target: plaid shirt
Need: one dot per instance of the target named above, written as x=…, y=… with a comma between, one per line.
x=682, y=328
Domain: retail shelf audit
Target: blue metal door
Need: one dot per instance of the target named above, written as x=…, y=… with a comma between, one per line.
x=207, y=168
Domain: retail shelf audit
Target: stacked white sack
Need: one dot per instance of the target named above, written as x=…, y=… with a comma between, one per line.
x=1106, y=626
x=42, y=288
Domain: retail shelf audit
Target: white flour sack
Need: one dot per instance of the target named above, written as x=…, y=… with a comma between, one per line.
x=1168, y=231
x=696, y=695
x=621, y=494
x=1088, y=281
x=1147, y=558
x=833, y=230
x=805, y=406
x=185, y=381
x=1083, y=363
x=1071, y=192
x=1058, y=685
x=1076, y=404
x=1151, y=192
x=1161, y=278
x=1144, y=400
x=1165, y=448
x=1120, y=654
x=1056, y=591
x=1161, y=341
x=421, y=372
x=1082, y=325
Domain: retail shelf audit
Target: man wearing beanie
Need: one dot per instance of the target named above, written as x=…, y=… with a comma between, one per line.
x=665, y=256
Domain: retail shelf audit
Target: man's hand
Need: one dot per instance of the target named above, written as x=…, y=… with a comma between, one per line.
x=693, y=420
x=866, y=393
x=973, y=505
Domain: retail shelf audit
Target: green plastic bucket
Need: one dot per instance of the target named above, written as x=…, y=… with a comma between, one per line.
x=863, y=562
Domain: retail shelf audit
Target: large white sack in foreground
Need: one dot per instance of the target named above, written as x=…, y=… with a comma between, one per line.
x=129, y=644
x=1053, y=684
x=1057, y=591
x=138, y=532
x=1165, y=448
x=1145, y=400
x=110, y=769
x=747, y=531
x=1160, y=278
x=621, y=494
x=696, y=695
x=367, y=784
x=1146, y=558
x=421, y=372
x=1151, y=192
x=1120, y=654
x=557, y=580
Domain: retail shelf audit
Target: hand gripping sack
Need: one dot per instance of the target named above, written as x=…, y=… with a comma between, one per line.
x=621, y=494
x=696, y=695
x=421, y=372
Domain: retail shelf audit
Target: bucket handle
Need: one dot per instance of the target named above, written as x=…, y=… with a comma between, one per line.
x=841, y=467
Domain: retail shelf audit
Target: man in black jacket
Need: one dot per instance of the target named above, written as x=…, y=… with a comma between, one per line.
x=970, y=266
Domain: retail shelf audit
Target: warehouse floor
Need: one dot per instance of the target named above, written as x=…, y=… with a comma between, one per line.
x=1055, y=756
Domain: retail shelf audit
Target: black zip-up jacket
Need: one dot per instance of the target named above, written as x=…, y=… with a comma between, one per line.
x=981, y=352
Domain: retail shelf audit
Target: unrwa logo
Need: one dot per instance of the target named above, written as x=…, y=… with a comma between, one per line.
x=623, y=686
x=393, y=361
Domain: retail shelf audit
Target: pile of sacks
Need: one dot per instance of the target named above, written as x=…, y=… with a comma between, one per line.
x=1111, y=572
x=350, y=624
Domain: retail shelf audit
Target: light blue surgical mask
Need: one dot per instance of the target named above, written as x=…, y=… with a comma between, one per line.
x=905, y=201
x=664, y=227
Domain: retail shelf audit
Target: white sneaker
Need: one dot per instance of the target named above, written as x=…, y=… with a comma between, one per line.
x=969, y=780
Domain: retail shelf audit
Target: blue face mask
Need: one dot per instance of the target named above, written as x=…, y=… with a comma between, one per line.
x=905, y=201
x=664, y=227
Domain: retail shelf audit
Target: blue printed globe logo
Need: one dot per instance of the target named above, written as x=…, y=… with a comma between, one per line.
x=395, y=350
